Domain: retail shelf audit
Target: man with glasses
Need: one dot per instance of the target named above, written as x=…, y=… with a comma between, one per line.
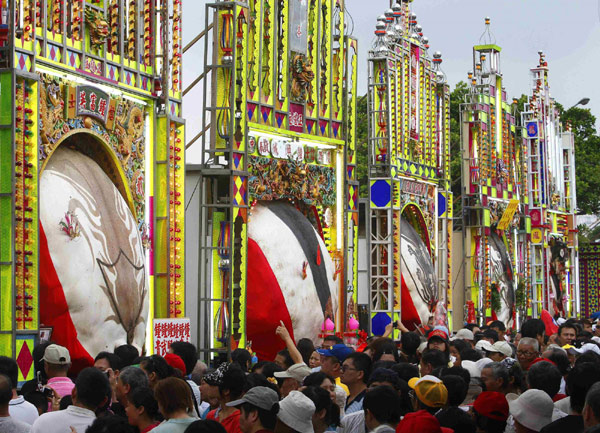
x=527, y=351
x=355, y=373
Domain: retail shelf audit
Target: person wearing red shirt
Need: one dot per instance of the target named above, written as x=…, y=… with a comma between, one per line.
x=231, y=387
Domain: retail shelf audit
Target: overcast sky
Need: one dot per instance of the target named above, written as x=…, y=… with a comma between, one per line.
x=567, y=31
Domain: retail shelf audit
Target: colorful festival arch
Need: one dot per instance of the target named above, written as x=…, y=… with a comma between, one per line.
x=91, y=174
x=409, y=223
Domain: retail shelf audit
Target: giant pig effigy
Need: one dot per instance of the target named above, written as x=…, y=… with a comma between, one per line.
x=410, y=203
x=278, y=184
x=91, y=174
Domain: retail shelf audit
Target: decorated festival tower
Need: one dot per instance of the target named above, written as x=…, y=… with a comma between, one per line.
x=91, y=174
x=409, y=223
x=278, y=195
x=495, y=194
x=552, y=201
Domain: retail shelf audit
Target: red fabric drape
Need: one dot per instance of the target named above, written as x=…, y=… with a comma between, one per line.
x=265, y=306
x=410, y=316
x=54, y=310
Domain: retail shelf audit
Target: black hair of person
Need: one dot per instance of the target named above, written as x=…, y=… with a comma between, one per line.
x=386, y=347
x=188, y=354
x=457, y=389
x=380, y=375
x=361, y=362
x=322, y=400
x=456, y=371
x=306, y=348
x=316, y=379
x=470, y=355
x=234, y=380
x=110, y=424
x=157, y=364
x=144, y=397
x=580, y=379
x=532, y=328
x=383, y=402
x=205, y=426
x=545, y=377
x=435, y=357
x=560, y=358
x=127, y=353
x=287, y=359
x=405, y=370
x=241, y=357
x=491, y=334
x=113, y=360
x=498, y=324
x=92, y=387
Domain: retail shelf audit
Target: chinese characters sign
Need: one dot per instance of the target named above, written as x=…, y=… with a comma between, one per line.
x=93, y=102
x=167, y=331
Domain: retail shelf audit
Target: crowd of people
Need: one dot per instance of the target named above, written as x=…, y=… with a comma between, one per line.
x=482, y=379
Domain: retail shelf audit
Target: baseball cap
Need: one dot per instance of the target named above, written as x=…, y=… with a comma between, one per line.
x=440, y=333
x=421, y=422
x=492, y=404
x=296, y=371
x=175, y=361
x=55, y=354
x=481, y=363
x=502, y=347
x=430, y=390
x=259, y=396
x=296, y=411
x=588, y=347
x=216, y=377
x=339, y=351
x=471, y=367
x=464, y=334
x=533, y=409
x=484, y=345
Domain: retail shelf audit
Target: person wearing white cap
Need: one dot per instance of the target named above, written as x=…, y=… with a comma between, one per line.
x=292, y=378
x=497, y=351
x=531, y=411
x=57, y=362
x=465, y=334
x=295, y=414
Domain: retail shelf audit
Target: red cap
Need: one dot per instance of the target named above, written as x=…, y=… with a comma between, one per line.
x=536, y=360
x=437, y=333
x=175, y=361
x=492, y=405
x=421, y=422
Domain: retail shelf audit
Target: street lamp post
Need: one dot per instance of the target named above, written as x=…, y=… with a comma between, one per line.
x=582, y=101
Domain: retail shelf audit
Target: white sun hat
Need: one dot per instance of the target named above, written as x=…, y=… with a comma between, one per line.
x=532, y=409
x=296, y=411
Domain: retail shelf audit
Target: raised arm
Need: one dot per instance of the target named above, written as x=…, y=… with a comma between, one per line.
x=283, y=333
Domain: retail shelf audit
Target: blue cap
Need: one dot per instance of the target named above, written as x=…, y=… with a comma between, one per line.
x=340, y=351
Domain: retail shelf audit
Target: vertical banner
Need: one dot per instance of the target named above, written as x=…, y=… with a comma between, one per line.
x=298, y=26
x=415, y=55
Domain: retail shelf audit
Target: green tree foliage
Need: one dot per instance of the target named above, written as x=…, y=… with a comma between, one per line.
x=587, y=155
x=362, y=142
x=457, y=97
